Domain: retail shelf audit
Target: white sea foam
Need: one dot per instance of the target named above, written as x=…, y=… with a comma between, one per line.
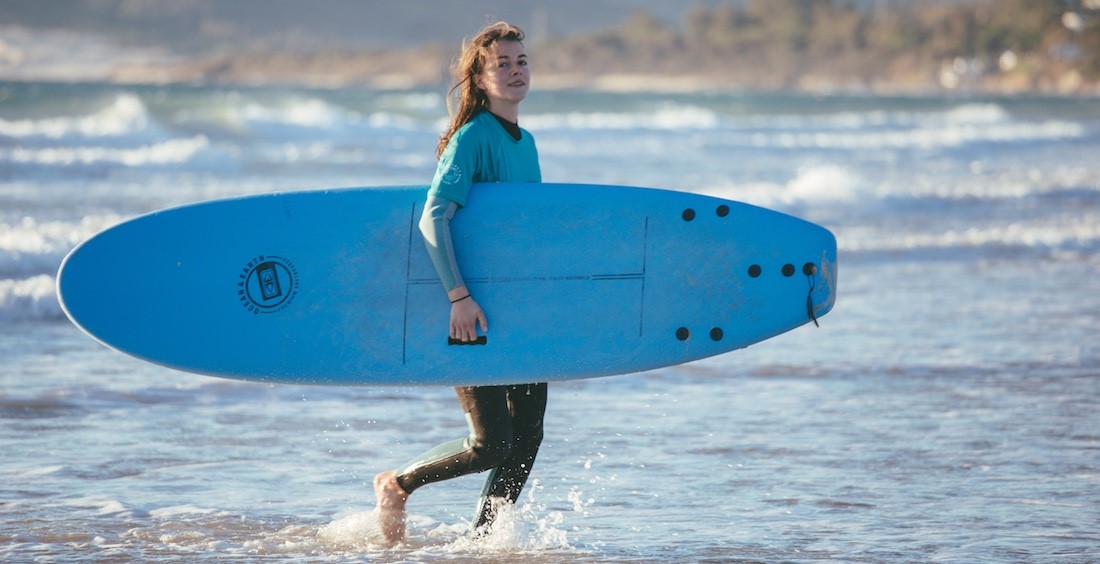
x=524, y=526
x=30, y=254
x=179, y=510
x=952, y=127
x=1025, y=181
x=826, y=182
x=29, y=247
x=125, y=115
x=1068, y=234
x=974, y=113
x=313, y=113
x=666, y=117
x=310, y=112
x=30, y=299
x=106, y=506
x=295, y=118
x=965, y=125
x=927, y=136
x=358, y=530
x=811, y=184
x=388, y=120
x=172, y=151
x=41, y=470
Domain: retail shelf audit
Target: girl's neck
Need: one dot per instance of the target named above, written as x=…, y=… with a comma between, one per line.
x=509, y=112
x=510, y=126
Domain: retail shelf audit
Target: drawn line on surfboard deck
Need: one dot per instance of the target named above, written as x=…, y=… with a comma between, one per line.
x=484, y=340
x=408, y=275
x=645, y=256
x=682, y=334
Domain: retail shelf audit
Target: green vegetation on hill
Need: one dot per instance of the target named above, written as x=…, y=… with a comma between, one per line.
x=1008, y=44
x=995, y=45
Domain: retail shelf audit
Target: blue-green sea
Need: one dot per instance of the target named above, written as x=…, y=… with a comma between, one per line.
x=947, y=409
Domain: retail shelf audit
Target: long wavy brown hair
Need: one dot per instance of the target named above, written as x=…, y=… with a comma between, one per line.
x=465, y=100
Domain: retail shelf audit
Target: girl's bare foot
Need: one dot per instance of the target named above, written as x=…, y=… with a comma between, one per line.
x=391, y=506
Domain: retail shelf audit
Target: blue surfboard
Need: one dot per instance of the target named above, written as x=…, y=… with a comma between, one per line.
x=336, y=287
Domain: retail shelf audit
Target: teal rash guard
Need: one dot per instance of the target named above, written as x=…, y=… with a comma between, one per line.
x=480, y=151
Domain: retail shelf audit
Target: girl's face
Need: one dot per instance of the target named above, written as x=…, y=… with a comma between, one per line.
x=506, y=76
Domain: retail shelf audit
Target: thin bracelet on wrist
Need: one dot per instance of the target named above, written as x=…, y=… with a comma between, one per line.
x=460, y=299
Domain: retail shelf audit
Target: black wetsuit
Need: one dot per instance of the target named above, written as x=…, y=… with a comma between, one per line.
x=505, y=434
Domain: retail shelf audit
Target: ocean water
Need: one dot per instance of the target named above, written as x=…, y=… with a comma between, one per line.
x=947, y=410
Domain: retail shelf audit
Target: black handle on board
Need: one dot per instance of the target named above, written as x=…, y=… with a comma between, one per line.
x=481, y=340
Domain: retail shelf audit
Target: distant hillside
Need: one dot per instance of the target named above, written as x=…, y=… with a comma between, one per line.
x=1009, y=45
x=197, y=27
x=1001, y=45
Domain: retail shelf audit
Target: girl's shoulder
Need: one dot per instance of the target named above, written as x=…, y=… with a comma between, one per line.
x=476, y=131
x=477, y=124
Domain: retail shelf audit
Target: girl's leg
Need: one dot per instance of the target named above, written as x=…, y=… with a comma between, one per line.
x=526, y=407
x=489, y=443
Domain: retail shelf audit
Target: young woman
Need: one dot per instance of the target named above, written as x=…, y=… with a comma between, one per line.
x=483, y=143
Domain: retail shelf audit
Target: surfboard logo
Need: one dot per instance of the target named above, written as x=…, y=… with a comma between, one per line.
x=267, y=284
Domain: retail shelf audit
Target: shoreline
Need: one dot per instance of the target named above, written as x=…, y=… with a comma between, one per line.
x=613, y=83
x=80, y=58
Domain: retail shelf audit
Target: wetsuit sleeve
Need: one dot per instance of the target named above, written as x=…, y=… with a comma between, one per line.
x=435, y=226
